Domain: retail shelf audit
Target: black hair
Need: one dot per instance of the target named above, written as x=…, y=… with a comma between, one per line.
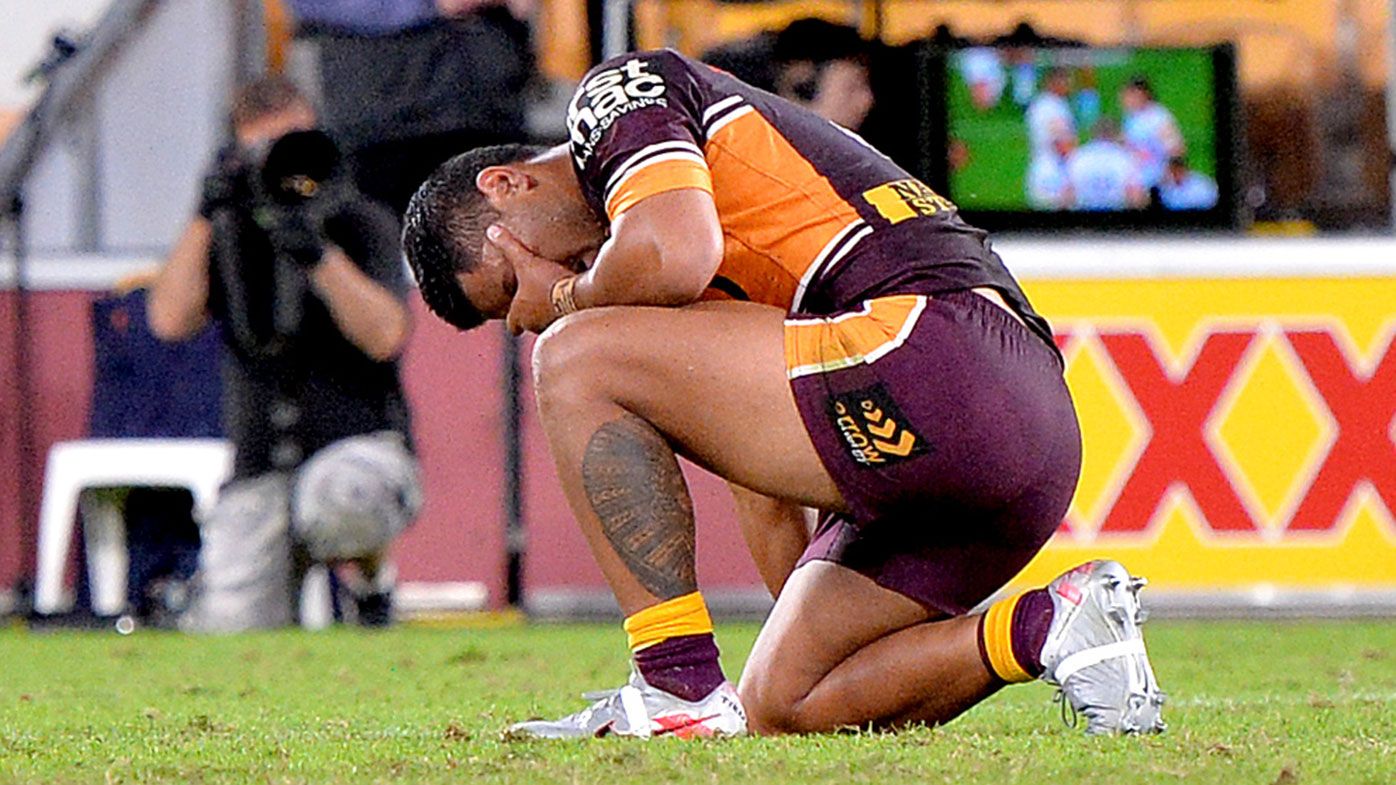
x=444, y=229
x=820, y=42
x=1141, y=83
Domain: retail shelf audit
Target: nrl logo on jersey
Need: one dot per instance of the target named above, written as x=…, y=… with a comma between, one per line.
x=608, y=96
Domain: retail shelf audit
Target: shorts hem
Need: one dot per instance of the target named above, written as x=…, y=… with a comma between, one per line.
x=920, y=598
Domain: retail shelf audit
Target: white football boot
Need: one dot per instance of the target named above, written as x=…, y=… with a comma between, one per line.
x=639, y=710
x=1094, y=653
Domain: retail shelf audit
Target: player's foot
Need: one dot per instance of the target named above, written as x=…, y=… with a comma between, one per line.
x=371, y=588
x=1094, y=651
x=637, y=709
x=375, y=609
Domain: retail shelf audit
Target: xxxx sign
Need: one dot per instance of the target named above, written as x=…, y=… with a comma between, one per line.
x=1236, y=432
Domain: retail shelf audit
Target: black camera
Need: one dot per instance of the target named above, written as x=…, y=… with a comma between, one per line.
x=297, y=188
x=300, y=168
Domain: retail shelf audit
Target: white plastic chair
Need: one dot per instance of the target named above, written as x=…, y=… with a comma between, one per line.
x=201, y=465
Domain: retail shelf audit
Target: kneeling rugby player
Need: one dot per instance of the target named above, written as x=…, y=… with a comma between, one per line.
x=719, y=274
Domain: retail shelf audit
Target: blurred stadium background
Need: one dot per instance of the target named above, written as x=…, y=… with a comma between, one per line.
x=1236, y=379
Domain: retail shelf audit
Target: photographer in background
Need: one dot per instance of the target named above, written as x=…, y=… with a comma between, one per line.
x=304, y=278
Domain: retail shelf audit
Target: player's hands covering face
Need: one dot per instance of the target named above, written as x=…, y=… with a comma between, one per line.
x=532, y=309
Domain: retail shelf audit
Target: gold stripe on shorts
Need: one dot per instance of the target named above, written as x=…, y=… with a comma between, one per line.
x=828, y=344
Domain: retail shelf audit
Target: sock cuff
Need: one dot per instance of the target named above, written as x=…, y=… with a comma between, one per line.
x=686, y=615
x=996, y=641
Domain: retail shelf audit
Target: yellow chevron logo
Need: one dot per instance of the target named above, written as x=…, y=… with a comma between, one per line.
x=873, y=428
x=902, y=448
x=883, y=431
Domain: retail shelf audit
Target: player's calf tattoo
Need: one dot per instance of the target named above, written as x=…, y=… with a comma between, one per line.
x=636, y=488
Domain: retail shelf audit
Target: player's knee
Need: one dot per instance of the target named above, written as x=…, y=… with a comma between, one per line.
x=567, y=359
x=771, y=709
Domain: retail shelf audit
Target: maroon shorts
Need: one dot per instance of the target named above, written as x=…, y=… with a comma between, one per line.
x=948, y=428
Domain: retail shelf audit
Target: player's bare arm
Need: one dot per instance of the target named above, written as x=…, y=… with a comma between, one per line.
x=663, y=251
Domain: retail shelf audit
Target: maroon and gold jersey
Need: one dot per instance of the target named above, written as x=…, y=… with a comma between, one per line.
x=813, y=219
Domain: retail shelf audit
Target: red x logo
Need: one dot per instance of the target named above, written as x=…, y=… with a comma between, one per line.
x=1363, y=406
x=1063, y=337
x=1177, y=412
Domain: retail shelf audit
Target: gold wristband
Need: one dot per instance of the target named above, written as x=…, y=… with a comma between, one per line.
x=563, y=295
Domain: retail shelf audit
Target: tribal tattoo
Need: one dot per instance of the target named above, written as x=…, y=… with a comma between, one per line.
x=637, y=490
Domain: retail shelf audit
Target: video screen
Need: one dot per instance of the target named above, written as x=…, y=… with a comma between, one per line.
x=1044, y=130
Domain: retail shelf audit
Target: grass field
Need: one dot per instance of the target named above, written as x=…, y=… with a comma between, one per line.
x=1250, y=703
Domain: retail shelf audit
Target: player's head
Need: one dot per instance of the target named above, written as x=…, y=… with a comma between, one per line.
x=1058, y=81
x=268, y=109
x=824, y=67
x=531, y=191
x=1177, y=168
x=1136, y=94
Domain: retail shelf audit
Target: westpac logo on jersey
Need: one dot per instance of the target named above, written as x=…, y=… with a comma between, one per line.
x=607, y=96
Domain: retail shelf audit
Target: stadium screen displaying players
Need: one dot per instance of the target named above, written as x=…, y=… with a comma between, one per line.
x=1085, y=131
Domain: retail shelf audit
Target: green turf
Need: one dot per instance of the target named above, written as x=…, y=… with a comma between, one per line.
x=1250, y=702
x=997, y=140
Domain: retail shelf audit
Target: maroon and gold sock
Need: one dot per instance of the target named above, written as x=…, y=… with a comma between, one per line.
x=1011, y=634
x=674, y=649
